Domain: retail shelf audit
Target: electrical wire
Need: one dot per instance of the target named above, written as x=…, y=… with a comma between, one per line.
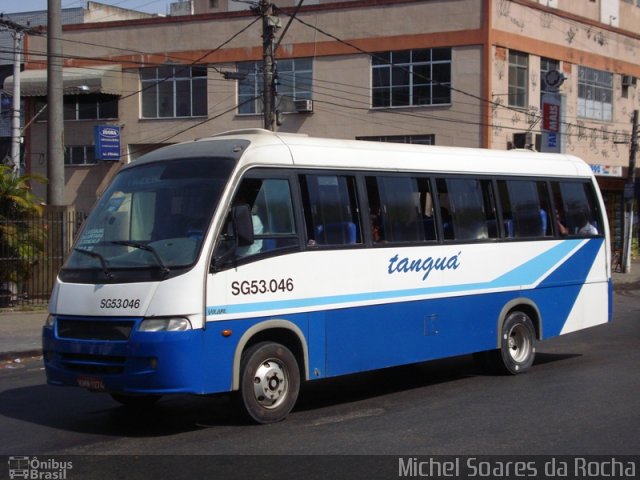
x=495, y=105
x=373, y=55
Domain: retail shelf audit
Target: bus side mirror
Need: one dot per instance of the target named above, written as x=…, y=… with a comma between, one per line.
x=243, y=225
x=242, y=236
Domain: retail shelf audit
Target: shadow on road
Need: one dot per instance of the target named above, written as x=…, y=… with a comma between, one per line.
x=77, y=410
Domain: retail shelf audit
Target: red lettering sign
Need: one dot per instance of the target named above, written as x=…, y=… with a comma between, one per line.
x=551, y=117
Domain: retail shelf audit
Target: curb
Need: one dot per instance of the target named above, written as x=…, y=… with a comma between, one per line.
x=10, y=356
x=626, y=286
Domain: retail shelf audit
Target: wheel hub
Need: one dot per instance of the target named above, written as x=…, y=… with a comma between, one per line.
x=518, y=342
x=270, y=384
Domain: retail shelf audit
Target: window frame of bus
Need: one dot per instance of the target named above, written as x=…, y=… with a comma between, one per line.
x=294, y=191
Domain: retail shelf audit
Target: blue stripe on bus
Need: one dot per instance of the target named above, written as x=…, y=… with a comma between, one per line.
x=525, y=275
x=571, y=275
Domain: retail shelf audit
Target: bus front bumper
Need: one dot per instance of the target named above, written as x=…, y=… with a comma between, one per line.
x=145, y=363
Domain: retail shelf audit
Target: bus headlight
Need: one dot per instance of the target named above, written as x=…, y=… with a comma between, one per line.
x=176, y=324
x=51, y=320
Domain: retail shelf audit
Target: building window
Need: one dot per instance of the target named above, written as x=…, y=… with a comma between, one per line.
x=411, y=78
x=416, y=139
x=294, y=83
x=79, y=155
x=595, y=94
x=518, y=79
x=174, y=91
x=90, y=107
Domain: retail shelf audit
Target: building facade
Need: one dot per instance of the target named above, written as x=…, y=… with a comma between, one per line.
x=449, y=72
x=92, y=12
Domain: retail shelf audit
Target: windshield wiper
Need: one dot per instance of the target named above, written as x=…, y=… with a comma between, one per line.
x=103, y=262
x=147, y=248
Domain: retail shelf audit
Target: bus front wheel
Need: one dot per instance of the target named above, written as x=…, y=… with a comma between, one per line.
x=269, y=382
x=517, y=346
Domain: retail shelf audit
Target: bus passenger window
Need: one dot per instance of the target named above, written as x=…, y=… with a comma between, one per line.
x=524, y=208
x=467, y=208
x=576, y=208
x=331, y=209
x=398, y=206
x=426, y=209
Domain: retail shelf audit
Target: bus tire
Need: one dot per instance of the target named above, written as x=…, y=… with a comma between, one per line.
x=517, y=347
x=269, y=382
x=136, y=401
x=517, y=343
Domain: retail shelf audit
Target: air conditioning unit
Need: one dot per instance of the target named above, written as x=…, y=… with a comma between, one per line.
x=303, y=106
x=628, y=80
x=527, y=140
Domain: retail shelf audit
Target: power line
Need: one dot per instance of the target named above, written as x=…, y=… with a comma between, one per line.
x=191, y=127
x=476, y=97
x=492, y=103
x=292, y=16
x=183, y=68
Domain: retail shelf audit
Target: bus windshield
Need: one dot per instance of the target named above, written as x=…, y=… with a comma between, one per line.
x=153, y=216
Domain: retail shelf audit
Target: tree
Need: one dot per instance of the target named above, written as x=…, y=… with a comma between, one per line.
x=21, y=238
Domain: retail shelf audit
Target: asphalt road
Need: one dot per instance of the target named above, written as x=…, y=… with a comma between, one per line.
x=582, y=397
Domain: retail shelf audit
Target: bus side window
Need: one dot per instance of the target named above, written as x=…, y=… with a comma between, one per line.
x=427, y=210
x=271, y=214
x=396, y=204
x=522, y=208
x=576, y=207
x=467, y=208
x=331, y=209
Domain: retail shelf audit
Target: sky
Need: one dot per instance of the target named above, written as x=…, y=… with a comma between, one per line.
x=149, y=6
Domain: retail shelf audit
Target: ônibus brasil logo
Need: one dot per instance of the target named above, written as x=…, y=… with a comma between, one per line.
x=33, y=468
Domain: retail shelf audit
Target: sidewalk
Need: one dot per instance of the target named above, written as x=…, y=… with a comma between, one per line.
x=20, y=331
x=20, y=334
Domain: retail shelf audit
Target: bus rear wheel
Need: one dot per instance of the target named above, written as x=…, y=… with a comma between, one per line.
x=517, y=346
x=269, y=382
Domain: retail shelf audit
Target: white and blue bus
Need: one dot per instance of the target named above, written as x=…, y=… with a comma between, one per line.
x=251, y=262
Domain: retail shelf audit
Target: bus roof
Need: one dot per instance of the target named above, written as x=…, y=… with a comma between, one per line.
x=314, y=152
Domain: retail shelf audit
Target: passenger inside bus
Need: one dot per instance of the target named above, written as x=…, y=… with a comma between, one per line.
x=586, y=227
x=562, y=229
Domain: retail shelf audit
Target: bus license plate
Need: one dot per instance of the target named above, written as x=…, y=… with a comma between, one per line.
x=91, y=383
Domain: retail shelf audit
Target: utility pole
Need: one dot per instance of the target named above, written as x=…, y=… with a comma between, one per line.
x=16, y=134
x=55, y=118
x=270, y=23
x=17, y=31
x=629, y=195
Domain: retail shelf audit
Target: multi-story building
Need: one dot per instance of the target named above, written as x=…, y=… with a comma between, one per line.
x=92, y=12
x=448, y=72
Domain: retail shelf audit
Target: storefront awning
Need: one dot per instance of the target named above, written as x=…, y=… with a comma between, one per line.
x=97, y=79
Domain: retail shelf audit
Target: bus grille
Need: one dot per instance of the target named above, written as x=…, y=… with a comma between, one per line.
x=95, y=330
x=84, y=363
